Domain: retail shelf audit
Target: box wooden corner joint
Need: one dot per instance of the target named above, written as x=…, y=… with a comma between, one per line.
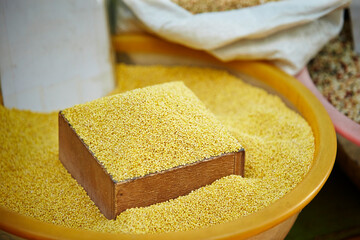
x=112, y=197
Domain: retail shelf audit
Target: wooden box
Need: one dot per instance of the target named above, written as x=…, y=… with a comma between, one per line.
x=113, y=197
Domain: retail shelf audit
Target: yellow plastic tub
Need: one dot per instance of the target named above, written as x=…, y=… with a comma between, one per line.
x=272, y=222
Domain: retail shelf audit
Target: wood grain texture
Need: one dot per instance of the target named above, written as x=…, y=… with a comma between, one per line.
x=83, y=166
x=114, y=197
x=174, y=182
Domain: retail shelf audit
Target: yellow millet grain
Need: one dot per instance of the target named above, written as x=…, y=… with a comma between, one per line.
x=149, y=130
x=33, y=181
x=203, y=6
x=279, y=146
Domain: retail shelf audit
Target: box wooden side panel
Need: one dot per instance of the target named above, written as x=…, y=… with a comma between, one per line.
x=82, y=165
x=239, y=159
x=174, y=182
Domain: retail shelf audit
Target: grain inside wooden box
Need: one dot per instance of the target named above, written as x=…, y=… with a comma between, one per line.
x=113, y=197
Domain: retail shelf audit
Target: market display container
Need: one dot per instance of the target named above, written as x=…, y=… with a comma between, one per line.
x=272, y=222
x=348, y=132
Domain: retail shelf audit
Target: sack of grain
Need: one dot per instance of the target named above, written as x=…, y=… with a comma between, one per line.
x=287, y=33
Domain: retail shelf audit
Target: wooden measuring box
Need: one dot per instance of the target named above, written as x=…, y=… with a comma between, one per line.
x=113, y=197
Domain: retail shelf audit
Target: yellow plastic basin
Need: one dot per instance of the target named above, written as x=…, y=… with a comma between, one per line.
x=273, y=221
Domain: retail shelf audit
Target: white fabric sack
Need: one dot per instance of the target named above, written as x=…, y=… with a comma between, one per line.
x=288, y=33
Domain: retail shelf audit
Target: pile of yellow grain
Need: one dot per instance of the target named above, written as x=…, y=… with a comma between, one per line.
x=149, y=130
x=202, y=6
x=279, y=146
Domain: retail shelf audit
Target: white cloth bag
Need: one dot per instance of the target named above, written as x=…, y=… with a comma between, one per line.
x=288, y=32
